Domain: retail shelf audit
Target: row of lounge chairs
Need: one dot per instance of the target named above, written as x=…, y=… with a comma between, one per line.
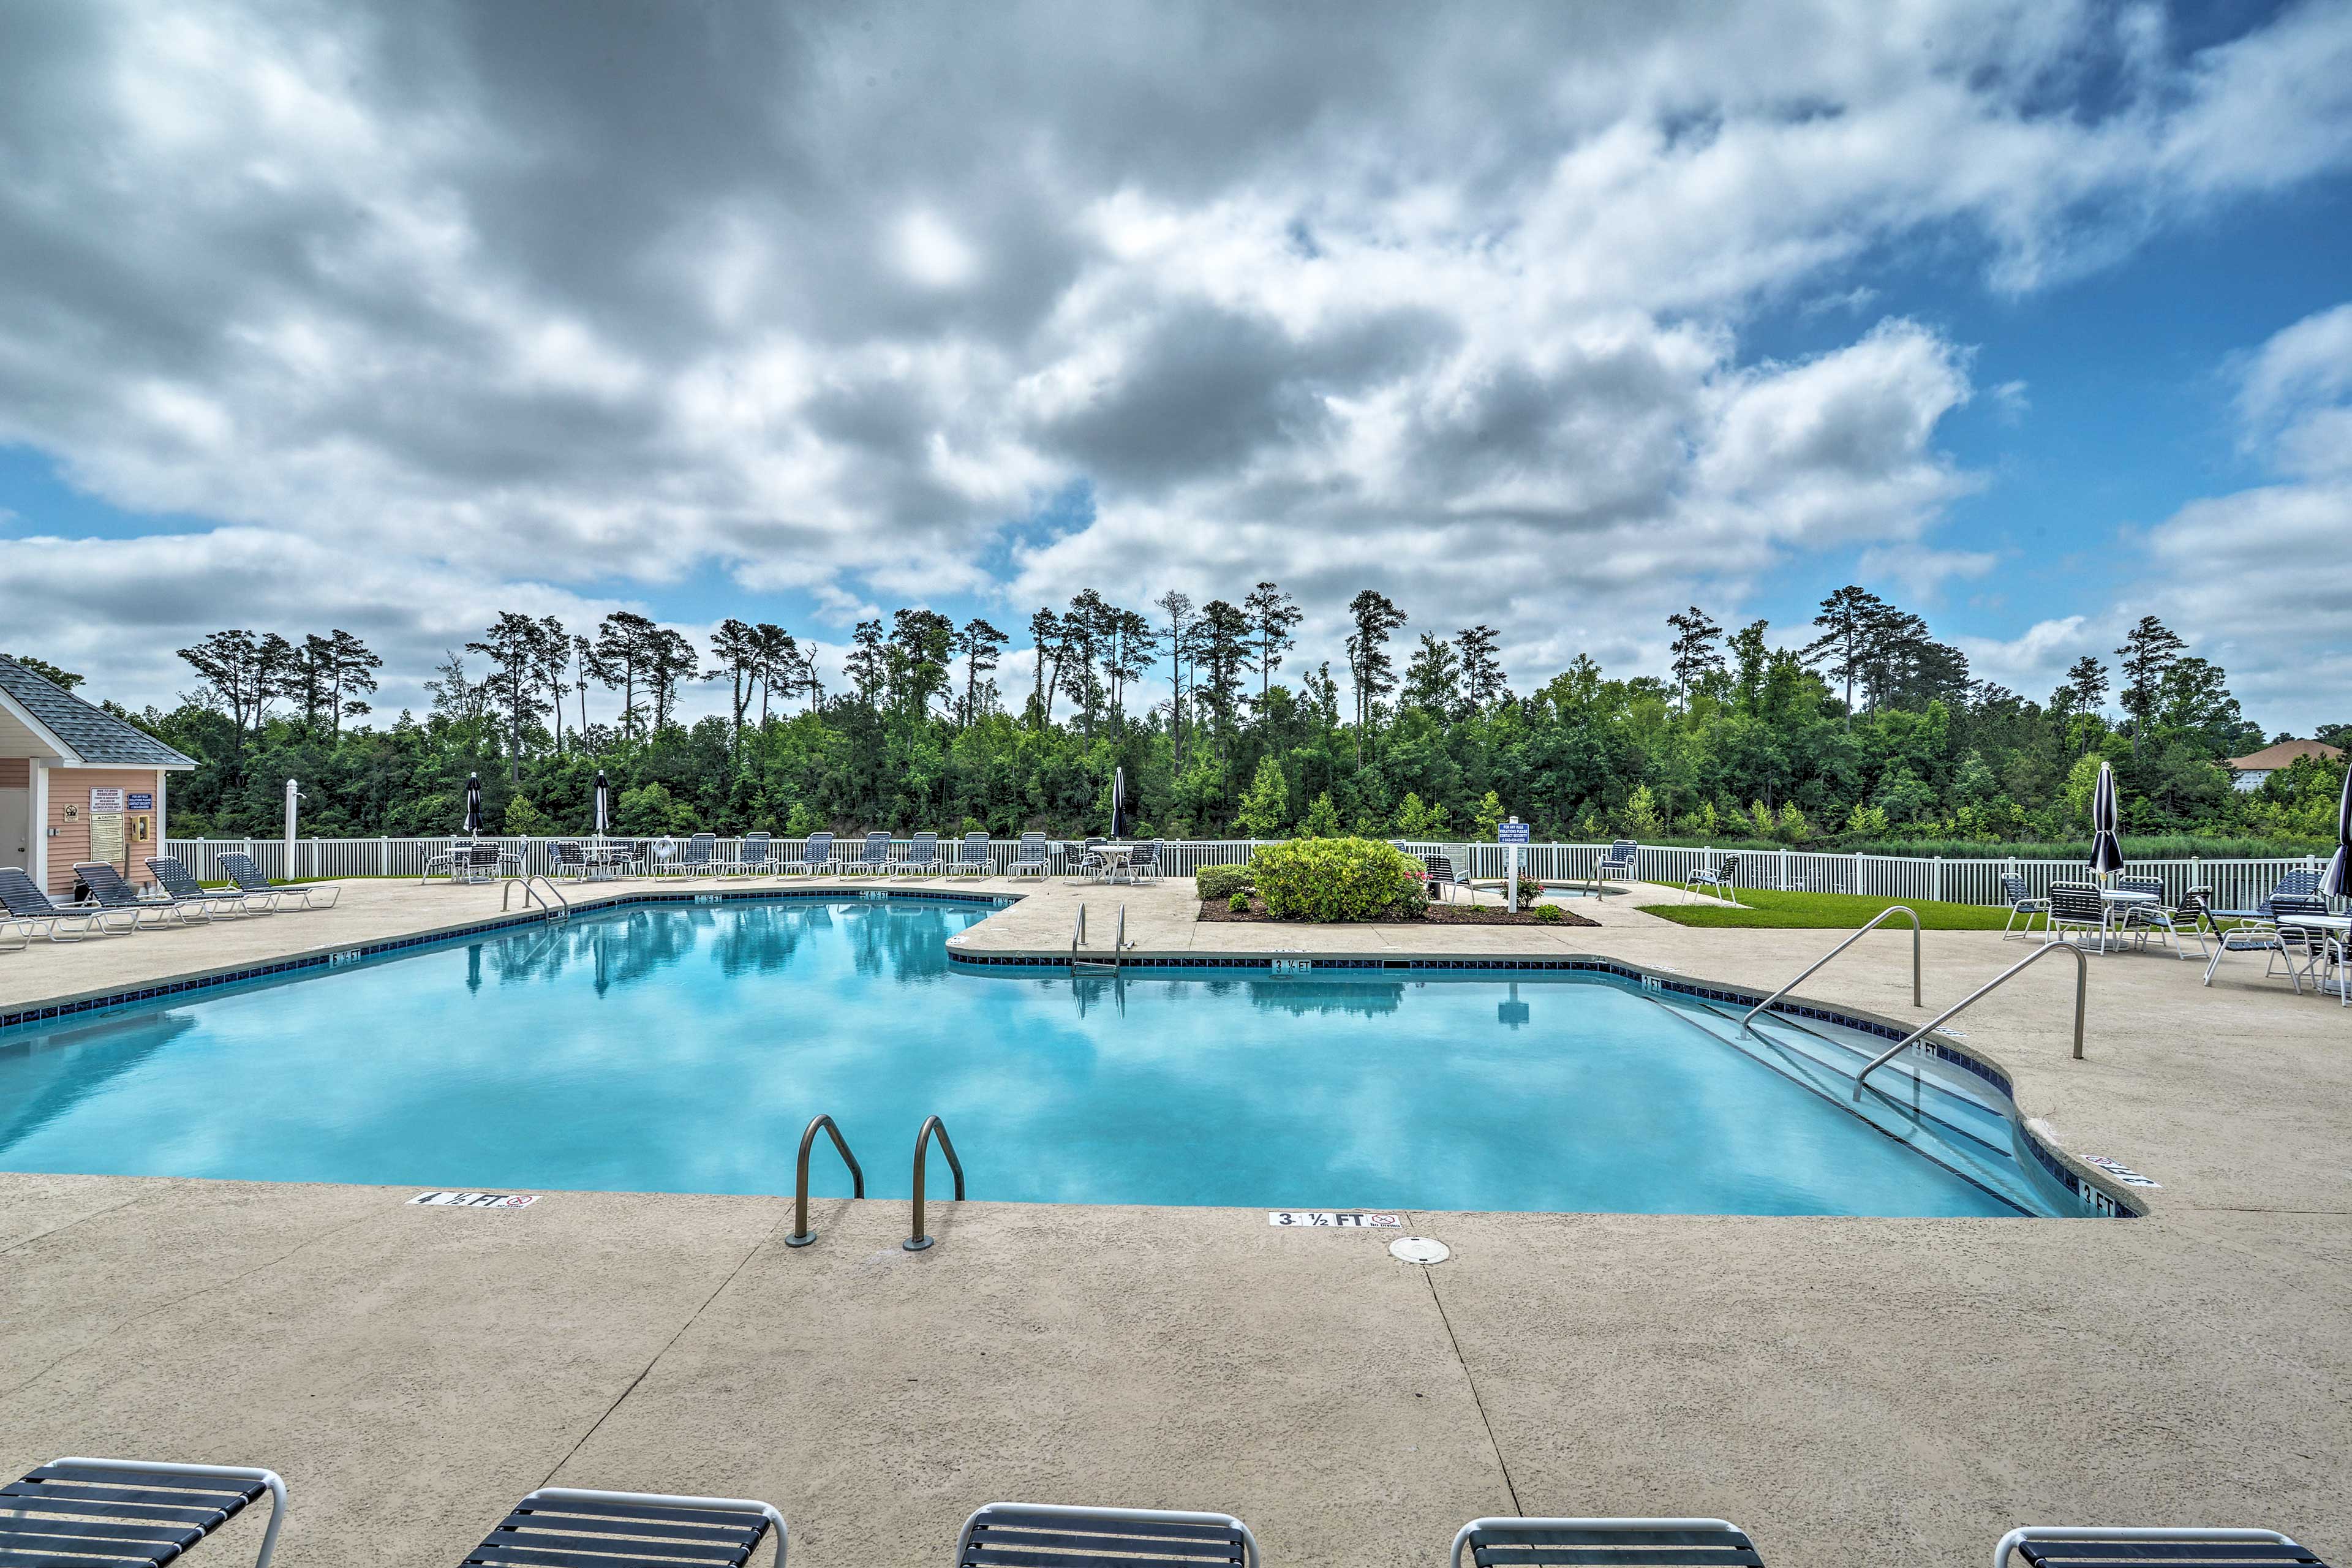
x=115, y=1513
x=118, y=908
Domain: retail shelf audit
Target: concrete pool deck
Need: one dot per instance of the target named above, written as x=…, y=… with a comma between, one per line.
x=1847, y=1390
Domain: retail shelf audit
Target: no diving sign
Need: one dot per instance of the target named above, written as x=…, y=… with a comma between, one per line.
x=476, y=1200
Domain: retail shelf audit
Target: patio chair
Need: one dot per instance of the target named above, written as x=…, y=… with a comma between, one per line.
x=27, y=907
x=110, y=891
x=114, y=1513
x=1618, y=1542
x=1618, y=862
x=817, y=856
x=2192, y=917
x=2116, y=1546
x=1090, y=862
x=570, y=860
x=629, y=1529
x=2244, y=936
x=752, y=860
x=1029, y=859
x=1045, y=1535
x=2293, y=885
x=175, y=879
x=1144, y=864
x=922, y=858
x=2075, y=906
x=248, y=878
x=874, y=861
x=1722, y=876
x=2021, y=902
x=2141, y=922
x=2308, y=944
x=1443, y=876
x=971, y=857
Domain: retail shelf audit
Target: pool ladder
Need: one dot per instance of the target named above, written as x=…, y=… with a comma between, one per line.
x=918, y=1238
x=1078, y=944
x=559, y=910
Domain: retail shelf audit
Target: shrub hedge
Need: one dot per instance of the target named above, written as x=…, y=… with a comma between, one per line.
x=1221, y=881
x=1334, y=880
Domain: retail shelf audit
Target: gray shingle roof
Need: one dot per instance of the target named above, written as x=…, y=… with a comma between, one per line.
x=99, y=737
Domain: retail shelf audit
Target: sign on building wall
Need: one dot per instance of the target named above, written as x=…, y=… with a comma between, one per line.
x=105, y=800
x=140, y=800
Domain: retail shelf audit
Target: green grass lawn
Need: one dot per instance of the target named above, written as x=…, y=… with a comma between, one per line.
x=1763, y=907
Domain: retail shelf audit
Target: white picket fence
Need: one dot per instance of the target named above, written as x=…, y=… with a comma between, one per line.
x=2234, y=883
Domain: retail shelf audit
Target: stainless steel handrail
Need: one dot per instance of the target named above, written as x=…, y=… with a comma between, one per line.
x=1891, y=909
x=918, y=1238
x=531, y=893
x=1077, y=938
x=2081, y=987
x=801, y=1234
x=1118, y=937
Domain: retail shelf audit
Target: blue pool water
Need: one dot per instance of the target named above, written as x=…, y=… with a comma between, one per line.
x=682, y=1048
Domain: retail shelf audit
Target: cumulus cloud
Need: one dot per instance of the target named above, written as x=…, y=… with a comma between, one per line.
x=544, y=297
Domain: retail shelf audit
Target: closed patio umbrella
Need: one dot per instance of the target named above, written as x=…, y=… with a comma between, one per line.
x=1118, y=803
x=474, y=806
x=2338, y=883
x=604, y=815
x=2107, y=851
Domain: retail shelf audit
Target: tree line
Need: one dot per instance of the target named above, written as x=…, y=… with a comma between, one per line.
x=1870, y=732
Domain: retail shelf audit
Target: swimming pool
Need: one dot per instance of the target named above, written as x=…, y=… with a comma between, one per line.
x=682, y=1048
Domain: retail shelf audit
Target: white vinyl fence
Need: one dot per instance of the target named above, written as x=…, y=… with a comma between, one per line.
x=2235, y=884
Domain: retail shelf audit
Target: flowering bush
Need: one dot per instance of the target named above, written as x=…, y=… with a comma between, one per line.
x=1337, y=880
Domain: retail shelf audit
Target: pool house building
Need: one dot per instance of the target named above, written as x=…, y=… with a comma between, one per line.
x=77, y=784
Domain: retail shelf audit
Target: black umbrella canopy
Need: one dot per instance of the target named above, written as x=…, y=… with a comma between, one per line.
x=2338, y=883
x=2106, y=850
x=603, y=815
x=473, y=804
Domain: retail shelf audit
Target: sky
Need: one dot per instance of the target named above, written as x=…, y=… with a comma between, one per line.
x=2034, y=318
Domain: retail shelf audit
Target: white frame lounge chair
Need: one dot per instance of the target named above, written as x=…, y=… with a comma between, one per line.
x=249, y=880
x=922, y=858
x=1027, y=1535
x=2022, y=901
x=1026, y=864
x=2079, y=1546
x=112, y=891
x=747, y=864
x=1721, y=877
x=172, y=875
x=26, y=905
x=2076, y=906
x=568, y=1524
x=972, y=857
x=1618, y=1542
x=816, y=857
x=141, y=1510
x=1622, y=862
x=873, y=858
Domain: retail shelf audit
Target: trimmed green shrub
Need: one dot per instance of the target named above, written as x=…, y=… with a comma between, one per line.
x=1221, y=881
x=1549, y=914
x=1330, y=879
x=1239, y=903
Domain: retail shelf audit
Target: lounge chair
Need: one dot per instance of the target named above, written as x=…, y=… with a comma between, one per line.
x=115, y=1513
x=1029, y=859
x=1443, y=876
x=1043, y=1535
x=1144, y=864
x=1618, y=862
x=28, y=908
x=112, y=892
x=922, y=858
x=2245, y=936
x=314, y=895
x=1618, y=1542
x=2021, y=902
x=971, y=857
x=875, y=859
x=564, y=1525
x=175, y=879
x=2076, y=906
x=2112, y=1546
x=752, y=859
x=817, y=856
x=698, y=859
x=1722, y=877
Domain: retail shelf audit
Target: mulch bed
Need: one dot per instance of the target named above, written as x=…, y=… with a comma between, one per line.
x=1216, y=910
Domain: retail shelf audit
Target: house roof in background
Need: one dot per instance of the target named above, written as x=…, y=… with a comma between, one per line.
x=94, y=737
x=2280, y=754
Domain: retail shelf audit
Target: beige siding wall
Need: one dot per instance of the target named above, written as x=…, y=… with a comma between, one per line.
x=71, y=787
x=15, y=773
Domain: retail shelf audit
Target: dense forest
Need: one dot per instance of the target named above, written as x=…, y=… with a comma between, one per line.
x=1872, y=734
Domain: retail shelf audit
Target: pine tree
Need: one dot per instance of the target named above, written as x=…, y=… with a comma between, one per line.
x=1482, y=672
x=1265, y=809
x=2150, y=649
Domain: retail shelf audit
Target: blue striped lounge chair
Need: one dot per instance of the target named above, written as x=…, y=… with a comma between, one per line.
x=816, y=857
x=2021, y=902
x=1620, y=862
x=629, y=1530
x=1029, y=859
x=752, y=859
x=112, y=892
x=30, y=911
x=121, y=1513
x=1443, y=876
x=1722, y=878
x=1045, y=1535
x=248, y=879
x=698, y=859
x=1620, y=1543
x=2113, y=1546
x=2293, y=885
x=971, y=857
x=874, y=861
x=174, y=878
x=922, y=858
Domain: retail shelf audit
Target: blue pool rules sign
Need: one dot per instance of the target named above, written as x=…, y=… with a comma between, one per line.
x=1511, y=832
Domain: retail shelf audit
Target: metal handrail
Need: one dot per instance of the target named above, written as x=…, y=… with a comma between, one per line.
x=2081, y=989
x=918, y=1238
x=801, y=1234
x=531, y=893
x=1883, y=914
x=1118, y=937
x=1077, y=938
